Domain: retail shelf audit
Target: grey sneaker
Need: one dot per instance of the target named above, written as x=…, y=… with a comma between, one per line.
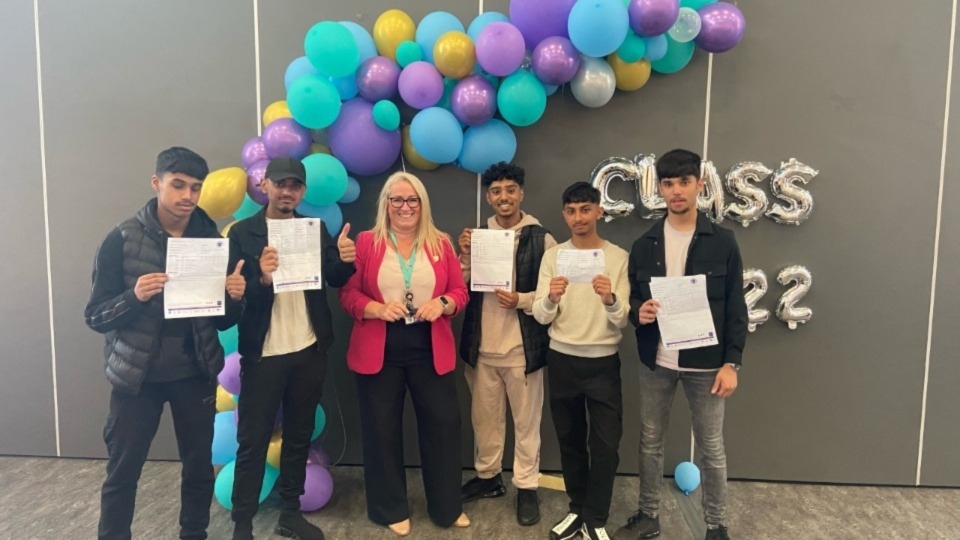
x=643, y=525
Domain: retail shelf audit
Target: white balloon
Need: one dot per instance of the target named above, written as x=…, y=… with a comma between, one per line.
x=594, y=83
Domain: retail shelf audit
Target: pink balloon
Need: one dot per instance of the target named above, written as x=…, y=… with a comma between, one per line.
x=421, y=85
x=229, y=376
x=317, y=488
x=500, y=48
x=255, y=175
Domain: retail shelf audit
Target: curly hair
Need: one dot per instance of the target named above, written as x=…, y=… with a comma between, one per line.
x=502, y=171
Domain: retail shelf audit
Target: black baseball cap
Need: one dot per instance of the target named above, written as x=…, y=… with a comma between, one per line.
x=280, y=169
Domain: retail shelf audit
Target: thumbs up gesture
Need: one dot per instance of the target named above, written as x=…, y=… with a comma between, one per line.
x=346, y=246
x=236, y=284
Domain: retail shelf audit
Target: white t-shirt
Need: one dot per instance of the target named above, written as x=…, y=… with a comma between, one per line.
x=290, y=329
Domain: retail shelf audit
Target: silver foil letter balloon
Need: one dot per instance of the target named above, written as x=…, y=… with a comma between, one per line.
x=608, y=170
x=754, y=288
x=787, y=310
x=710, y=200
x=753, y=200
x=784, y=186
x=652, y=204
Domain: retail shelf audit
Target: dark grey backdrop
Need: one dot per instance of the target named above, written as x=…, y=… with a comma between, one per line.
x=838, y=400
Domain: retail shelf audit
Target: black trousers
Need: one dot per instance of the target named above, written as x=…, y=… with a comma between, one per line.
x=381, y=398
x=589, y=450
x=294, y=381
x=131, y=425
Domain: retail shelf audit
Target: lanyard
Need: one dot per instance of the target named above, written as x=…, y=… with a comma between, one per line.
x=406, y=266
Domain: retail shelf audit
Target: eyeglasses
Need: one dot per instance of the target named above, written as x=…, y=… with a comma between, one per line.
x=412, y=202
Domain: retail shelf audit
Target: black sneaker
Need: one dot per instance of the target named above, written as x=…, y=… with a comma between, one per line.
x=719, y=533
x=567, y=528
x=643, y=525
x=243, y=531
x=294, y=525
x=483, y=488
x=594, y=533
x=528, y=507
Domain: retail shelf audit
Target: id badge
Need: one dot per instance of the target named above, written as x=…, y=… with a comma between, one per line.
x=409, y=319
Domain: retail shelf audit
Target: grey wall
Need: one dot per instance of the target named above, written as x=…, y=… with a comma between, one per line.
x=838, y=400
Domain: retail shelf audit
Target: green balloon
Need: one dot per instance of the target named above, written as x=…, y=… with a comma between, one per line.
x=223, y=487
x=313, y=101
x=386, y=115
x=319, y=421
x=229, y=337
x=521, y=98
x=326, y=179
x=632, y=48
x=677, y=57
x=696, y=4
x=409, y=52
x=331, y=48
x=247, y=208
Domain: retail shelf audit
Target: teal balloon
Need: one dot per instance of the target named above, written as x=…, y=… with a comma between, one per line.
x=319, y=421
x=677, y=57
x=598, y=27
x=223, y=487
x=409, y=52
x=386, y=115
x=326, y=179
x=481, y=22
x=521, y=98
x=365, y=44
x=331, y=215
x=332, y=49
x=247, y=208
x=229, y=339
x=314, y=101
x=224, y=448
x=687, y=477
x=655, y=47
x=696, y=4
x=632, y=48
x=352, y=193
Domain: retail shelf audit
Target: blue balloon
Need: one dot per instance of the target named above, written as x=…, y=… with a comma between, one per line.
x=247, y=208
x=330, y=214
x=298, y=68
x=656, y=47
x=319, y=421
x=435, y=134
x=352, y=193
x=687, y=477
x=432, y=27
x=223, y=487
x=482, y=21
x=225, y=444
x=550, y=89
x=364, y=42
x=597, y=28
x=487, y=144
x=346, y=86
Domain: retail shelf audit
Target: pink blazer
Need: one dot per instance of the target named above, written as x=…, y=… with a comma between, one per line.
x=368, y=338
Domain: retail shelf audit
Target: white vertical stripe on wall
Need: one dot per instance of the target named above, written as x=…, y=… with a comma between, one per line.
x=256, y=60
x=936, y=237
x=46, y=225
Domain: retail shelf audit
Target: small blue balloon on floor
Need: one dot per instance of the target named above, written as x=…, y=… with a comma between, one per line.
x=687, y=476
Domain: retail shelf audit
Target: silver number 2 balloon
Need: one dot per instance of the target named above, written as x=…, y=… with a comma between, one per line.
x=754, y=288
x=787, y=310
x=784, y=186
x=753, y=199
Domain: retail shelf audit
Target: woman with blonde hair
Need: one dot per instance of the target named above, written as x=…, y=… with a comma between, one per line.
x=407, y=287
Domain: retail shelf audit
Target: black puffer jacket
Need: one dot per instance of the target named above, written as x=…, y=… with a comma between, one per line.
x=132, y=328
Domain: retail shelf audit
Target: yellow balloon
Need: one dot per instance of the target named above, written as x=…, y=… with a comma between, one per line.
x=392, y=28
x=274, y=448
x=410, y=153
x=317, y=148
x=223, y=192
x=277, y=109
x=454, y=55
x=225, y=401
x=226, y=228
x=630, y=77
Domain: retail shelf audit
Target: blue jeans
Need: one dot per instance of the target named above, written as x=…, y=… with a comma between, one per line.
x=656, y=396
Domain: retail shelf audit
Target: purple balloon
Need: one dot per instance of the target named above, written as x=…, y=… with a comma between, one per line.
x=357, y=141
x=317, y=488
x=255, y=174
x=500, y=48
x=317, y=455
x=377, y=78
x=650, y=18
x=555, y=61
x=539, y=19
x=229, y=376
x=721, y=27
x=421, y=85
x=253, y=151
x=284, y=137
x=474, y=101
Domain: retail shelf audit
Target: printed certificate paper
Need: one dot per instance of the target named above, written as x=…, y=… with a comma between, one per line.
x=491, y=260
x=197, y=268
x=298, y=242
x=580, y=265
x=684, y=316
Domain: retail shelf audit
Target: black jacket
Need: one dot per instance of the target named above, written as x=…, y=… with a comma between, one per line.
x=248, y=237
x=713, y=252
x=132, y=328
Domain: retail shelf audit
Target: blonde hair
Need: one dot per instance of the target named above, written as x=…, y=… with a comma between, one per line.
x=427, y=234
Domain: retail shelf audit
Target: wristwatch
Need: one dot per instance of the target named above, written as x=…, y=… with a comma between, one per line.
x=736, y=367
x=444, y=301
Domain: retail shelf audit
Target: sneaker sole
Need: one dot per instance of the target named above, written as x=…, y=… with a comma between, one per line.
x=529, y=523
x=500, y=492
x=650, y=535
x=555, y=536
x=287, y=533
